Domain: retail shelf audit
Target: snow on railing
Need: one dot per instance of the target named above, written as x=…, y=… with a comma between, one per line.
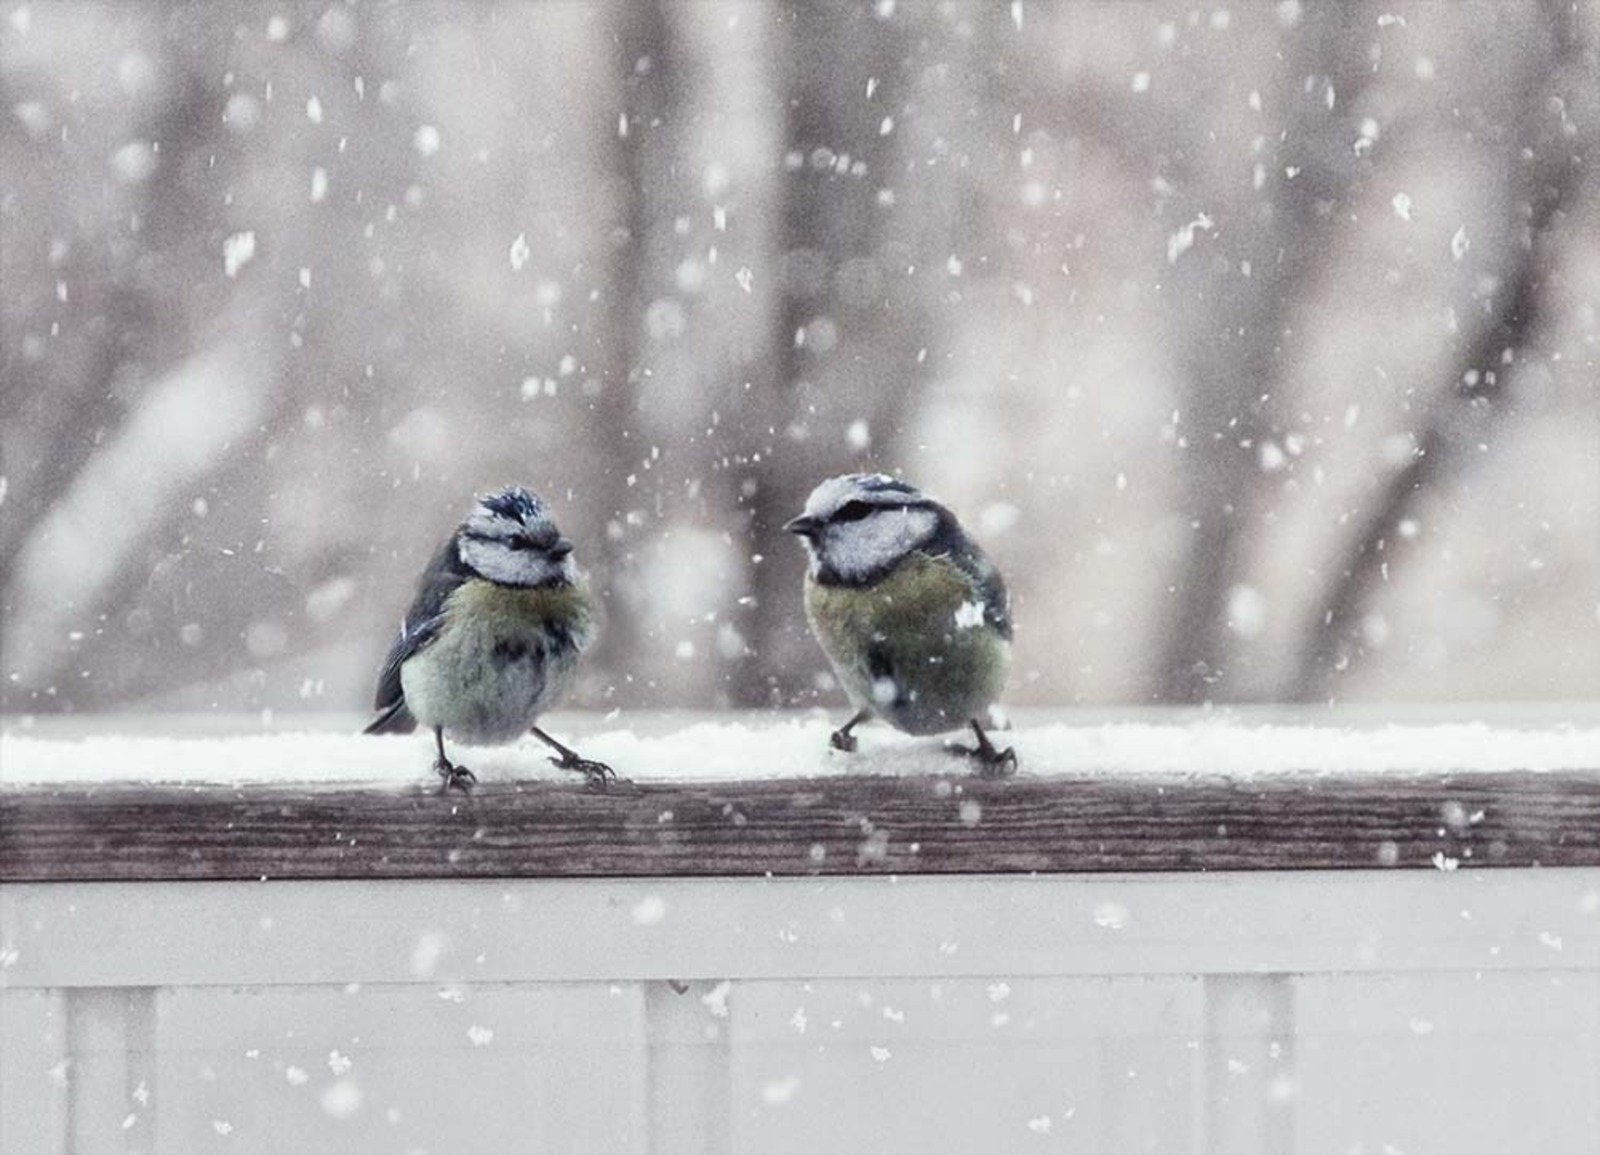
x=735, y=798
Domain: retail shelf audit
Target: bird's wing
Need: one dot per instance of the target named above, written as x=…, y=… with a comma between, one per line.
x=988, y=587
x=423, y=621
x=390, y=700
x=991, y=588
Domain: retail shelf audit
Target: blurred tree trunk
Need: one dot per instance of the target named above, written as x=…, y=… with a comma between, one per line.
x=839, y=329
x=1548, y=161
x=118, y=326
x=643, y=130
x=1233, y=327
x=169, y=305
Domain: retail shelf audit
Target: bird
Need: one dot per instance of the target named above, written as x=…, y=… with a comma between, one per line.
x=913, y=616
x=492, y=638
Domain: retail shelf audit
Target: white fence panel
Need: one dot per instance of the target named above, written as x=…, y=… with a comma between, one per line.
x=1264, y=1013
x=961, y=1065
x=1250, y=1037
x=35, y=1077
x=689, y=1065
x=1448, y=1064
x=475, y=1071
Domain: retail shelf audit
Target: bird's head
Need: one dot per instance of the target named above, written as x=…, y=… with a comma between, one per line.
x=509, y=539
x=858, y=527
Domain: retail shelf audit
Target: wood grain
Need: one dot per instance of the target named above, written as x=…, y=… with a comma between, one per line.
x=822, y=826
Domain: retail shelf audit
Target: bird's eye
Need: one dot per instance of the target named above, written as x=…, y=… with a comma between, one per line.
x=852, y=511
x=521, y=542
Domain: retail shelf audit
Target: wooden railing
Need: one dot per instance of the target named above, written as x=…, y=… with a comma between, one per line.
x=1301, y=963
x=824, y=826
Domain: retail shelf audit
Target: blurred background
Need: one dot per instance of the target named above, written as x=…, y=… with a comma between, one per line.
x=1258, y=342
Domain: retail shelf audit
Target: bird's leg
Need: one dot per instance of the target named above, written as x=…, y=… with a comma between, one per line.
x=842, y=739
x=992, y=762
x=454, y=776
x=599, y=775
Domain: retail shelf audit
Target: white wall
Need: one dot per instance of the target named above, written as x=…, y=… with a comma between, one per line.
x=1358, y=1012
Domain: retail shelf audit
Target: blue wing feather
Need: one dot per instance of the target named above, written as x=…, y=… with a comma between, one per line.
x=992, y=589
x=988, y=586
x=423, y=621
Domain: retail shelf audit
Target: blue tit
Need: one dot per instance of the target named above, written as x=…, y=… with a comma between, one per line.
x=492, y=638
x=912, y=615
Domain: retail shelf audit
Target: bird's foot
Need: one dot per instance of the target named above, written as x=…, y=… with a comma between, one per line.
x=598, y=775
x=842, y=739
x=992, y=761
x=997, y=763
x=453, y=776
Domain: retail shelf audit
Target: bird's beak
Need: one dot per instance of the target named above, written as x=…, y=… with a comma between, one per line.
x=560, y=549
x=802, y=525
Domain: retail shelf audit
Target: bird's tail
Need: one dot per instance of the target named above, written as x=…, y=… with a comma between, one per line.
x=395, y=719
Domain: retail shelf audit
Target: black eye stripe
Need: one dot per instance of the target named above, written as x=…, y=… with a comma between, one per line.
x=510, y=541
x=856, y=510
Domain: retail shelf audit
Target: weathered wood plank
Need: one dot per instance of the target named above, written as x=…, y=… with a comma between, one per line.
x=845, y=825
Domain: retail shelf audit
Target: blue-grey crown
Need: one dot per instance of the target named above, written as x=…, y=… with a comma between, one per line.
x=864, y=488
x=515, y=503
x=881, y=483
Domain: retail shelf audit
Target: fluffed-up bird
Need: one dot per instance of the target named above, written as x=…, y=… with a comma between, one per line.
x=493, y=637
x=913, y=616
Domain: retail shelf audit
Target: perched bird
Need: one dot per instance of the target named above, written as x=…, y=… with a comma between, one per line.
x=914, y=618
x=492, y=638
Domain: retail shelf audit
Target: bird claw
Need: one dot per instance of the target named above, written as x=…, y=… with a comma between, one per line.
x=598, y=775
x=992, y=762
x=844, y=741
x=997, y=763
x=454, y=776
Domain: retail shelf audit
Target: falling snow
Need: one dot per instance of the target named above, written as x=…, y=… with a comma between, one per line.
x=237, y=251
x=520, y=252
x=1213, y=326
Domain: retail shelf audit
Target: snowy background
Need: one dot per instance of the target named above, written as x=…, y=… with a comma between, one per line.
x=1258, y=343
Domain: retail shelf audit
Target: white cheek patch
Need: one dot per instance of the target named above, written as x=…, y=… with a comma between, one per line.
x=859, y=549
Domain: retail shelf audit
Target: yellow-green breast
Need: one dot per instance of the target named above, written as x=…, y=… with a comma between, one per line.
x=509, y=607
x=914, y=647
x=503, y=656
